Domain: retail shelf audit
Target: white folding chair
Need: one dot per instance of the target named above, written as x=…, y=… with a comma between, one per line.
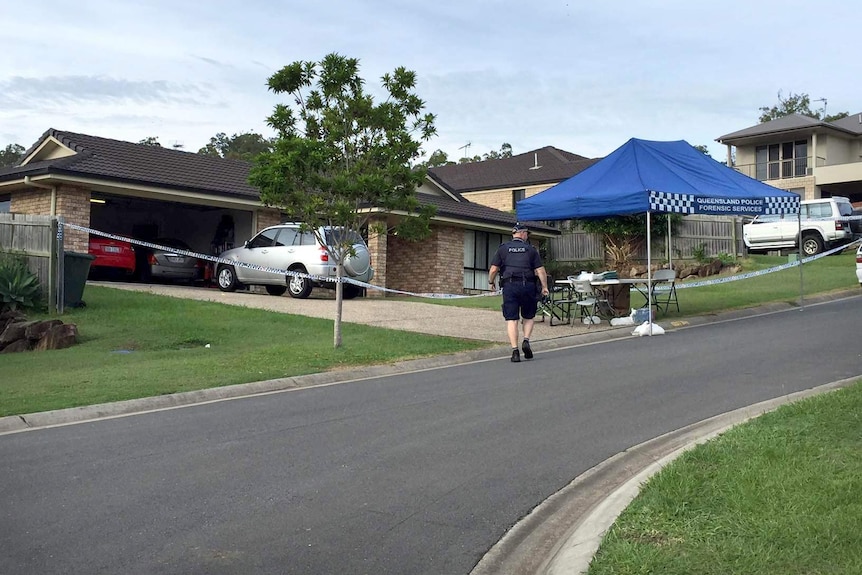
x=587, y=300
x=666, y=296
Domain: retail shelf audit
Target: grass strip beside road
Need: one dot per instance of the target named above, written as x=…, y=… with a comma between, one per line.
x=134, y=345
x=829, y=273
x=781, y=494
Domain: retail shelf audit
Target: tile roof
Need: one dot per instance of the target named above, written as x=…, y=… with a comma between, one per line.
x=852, y=123
x=543, y=166
x=125, y=162
x=470, y=211
x=792, y=122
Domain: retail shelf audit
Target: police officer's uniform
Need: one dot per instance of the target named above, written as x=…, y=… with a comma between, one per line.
x=518, y=260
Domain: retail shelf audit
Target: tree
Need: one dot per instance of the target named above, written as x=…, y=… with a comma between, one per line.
x=151, y=141
x=11, y=155
x=337, y=152
x=797, y=104
x=504, y=152
x=438, y=158
x=245, y=146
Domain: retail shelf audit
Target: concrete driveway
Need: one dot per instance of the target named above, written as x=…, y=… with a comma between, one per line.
x=414, y=315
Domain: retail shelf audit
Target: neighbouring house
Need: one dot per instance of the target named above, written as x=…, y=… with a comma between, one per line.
x=145, y=192
x=802, y=154
x=501, y=183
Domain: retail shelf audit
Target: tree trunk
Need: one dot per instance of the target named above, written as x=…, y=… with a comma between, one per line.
x=339, y=300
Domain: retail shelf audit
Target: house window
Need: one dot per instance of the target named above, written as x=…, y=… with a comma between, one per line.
x=517, y=196
x=5, y=203
x=479, y=248
x=785, y=160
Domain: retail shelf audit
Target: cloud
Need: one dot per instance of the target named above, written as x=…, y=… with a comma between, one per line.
x=25, y=93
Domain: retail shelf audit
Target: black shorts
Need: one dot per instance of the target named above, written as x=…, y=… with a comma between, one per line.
x=519, y=300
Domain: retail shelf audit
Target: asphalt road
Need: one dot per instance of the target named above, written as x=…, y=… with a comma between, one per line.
x=416, y=473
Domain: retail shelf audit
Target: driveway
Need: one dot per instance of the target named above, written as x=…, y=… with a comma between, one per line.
x=416, y=315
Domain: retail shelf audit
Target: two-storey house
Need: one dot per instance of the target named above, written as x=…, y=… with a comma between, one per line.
x=801, y=154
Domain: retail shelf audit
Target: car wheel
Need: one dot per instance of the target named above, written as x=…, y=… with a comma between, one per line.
x=811, y=245
x=226, y=277
x=299, y=287
x=276, y=290
x=350, y=291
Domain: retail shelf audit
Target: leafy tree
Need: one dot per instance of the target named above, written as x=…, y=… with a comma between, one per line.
x=11, y=155
x=438, y=158
x=504, y=152
x=245, y=146
x=151, y=141
x=797, y=104
x=337, y=152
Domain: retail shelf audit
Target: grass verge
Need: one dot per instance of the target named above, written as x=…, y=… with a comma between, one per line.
x=134, y=345
x=827, y=274
x=779, y=495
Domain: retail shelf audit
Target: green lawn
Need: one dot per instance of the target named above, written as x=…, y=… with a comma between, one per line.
x=779, y=495
x=827, y=274
x=134, y=345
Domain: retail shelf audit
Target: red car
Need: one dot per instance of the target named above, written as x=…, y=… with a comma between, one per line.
x=113, y=257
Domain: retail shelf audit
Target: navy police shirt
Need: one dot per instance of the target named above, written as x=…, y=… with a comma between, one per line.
x=517, y=259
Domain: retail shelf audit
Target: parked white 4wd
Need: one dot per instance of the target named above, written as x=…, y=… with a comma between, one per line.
x=286, y=247
x=825, y=223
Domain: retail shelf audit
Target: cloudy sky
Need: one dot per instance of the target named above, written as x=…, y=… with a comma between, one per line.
x=584, y=76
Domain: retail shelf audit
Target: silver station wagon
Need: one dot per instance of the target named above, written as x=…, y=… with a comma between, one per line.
x=287, y=247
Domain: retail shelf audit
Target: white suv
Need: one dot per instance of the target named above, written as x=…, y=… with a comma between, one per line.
x=287, y=247
x=825, y=223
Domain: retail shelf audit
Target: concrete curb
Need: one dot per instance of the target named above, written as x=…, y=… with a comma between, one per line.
x=562, y=534
x=24, y=422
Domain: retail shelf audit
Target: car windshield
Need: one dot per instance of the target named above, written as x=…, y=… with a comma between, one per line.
x=172, y=243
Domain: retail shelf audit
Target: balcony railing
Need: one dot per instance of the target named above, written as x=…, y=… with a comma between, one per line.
x=781, y=169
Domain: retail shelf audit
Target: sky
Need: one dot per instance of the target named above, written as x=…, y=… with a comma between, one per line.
x=582, y=76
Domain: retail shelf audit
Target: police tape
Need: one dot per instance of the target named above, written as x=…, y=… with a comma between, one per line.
x=757, y=273
x=427, y=295
x=279, y=271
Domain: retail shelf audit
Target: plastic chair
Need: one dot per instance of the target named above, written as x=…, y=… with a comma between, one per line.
x=587, y=301
x=664, y=298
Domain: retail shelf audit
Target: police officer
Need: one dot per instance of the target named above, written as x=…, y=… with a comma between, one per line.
x=519, y=265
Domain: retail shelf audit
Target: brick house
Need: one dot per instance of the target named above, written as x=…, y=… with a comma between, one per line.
x=499, y=184
x=143, y=192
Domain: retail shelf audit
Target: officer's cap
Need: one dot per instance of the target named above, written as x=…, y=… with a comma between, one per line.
x=519, y=227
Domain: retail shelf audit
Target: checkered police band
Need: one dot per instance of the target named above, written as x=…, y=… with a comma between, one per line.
x=693, y=204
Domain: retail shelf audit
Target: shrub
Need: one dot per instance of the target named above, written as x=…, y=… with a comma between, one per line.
x=699, y=254
x=19, y=287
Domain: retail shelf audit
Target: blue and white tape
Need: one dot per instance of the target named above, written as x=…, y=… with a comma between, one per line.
x=748, y=275
x=256, y=267
x=428, y=295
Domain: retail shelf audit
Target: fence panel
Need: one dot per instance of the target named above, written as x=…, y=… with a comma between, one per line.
x=35, y=238
x=710, y=234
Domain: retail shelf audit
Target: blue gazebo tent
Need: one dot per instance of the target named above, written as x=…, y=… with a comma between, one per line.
x=651, y=176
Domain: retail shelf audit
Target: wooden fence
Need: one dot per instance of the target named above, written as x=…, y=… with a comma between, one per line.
x=707, y=234
x=36, y=239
